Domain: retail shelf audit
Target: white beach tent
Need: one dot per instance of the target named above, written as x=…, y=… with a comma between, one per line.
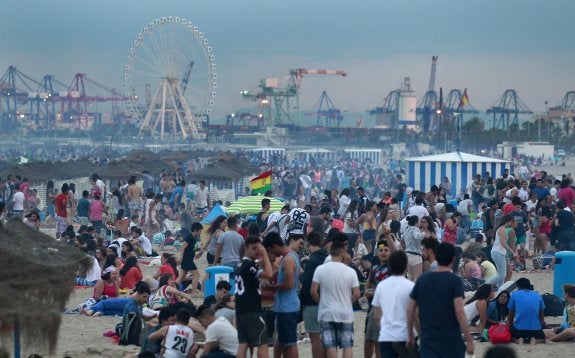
x=459, y=167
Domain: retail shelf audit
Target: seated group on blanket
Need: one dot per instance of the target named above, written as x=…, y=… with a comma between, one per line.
x=523, y=311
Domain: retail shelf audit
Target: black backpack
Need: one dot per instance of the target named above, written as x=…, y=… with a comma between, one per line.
x=130, y=329
x=553, y=305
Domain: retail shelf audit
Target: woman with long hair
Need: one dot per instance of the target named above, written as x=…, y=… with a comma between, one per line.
x=130, y=273
x=167, y=293
x=369, y=225
x=32, y=219
x=427, y=227
x=128, y=250
x=412, y=238
x=101, y=254
x=477, y=306
x=108, y=286
x=351, y=224
x=169, y=265
x=497, y=310
x=500, y=249
x=214, y=231
x=344, y=202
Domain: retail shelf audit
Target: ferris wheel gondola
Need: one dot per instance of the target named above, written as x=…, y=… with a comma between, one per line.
x=170, y=79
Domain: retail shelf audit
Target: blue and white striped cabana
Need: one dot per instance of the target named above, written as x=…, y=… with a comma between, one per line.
x=268, y=153
x=373, y=155
x=459, y=167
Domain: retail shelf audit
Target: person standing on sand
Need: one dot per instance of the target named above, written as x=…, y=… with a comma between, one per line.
x=335, y=287
x=61, y=203
x=134, y=197
x=439, y=296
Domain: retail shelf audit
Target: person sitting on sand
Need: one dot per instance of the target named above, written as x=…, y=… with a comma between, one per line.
x=128, y=250
x=167, y=294
x=92, y=274
x=526, y=317
x=477, y=306
x=221, y=302
x=130, y=273
x=471, y=272
x=32, y=220
x=497, y=310
x=566, y=331
x=116, y=306
x=108, y=286
x=166, y=317
x=169, y=265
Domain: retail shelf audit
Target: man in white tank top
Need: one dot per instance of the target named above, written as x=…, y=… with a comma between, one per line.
x=178, y=339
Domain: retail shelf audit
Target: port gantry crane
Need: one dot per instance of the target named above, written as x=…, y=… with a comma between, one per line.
x=22, y=97
x=507, y=110
x=326, y=110
x=428, y=104
x=278, y=102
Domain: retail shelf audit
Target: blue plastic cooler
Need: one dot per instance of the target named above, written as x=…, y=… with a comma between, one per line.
x=215, y=275
x=564, y=271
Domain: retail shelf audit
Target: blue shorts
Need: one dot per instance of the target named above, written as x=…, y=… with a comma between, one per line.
x=336, y=334
x=287, y=328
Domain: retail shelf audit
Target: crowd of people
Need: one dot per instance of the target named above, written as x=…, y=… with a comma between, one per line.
x=427, y=269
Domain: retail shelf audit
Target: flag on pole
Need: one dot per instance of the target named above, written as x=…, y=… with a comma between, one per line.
x=464, y=101
x=261, y=183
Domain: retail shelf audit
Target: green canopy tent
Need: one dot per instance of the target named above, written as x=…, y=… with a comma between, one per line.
x=249, y=205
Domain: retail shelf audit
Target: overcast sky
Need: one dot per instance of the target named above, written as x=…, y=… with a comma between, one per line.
x=486, y=46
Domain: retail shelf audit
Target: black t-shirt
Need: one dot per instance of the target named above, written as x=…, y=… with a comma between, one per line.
x=248, y=295
x=262, y=223
x=190, y=250
x=434, y=293
x=565, y=220
x=210, y=301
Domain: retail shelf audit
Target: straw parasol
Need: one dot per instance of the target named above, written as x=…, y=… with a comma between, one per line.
x=253, y=205
x=36, y=279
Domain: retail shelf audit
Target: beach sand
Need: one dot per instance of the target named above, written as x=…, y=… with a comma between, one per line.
x=82, y=336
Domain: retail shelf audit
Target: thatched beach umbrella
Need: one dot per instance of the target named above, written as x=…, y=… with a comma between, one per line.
x=36, y=279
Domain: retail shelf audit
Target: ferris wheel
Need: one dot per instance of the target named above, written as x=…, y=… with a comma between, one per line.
x=170, y=79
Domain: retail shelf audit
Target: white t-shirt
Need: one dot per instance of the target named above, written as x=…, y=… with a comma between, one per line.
x=94, y=273
x=224, y=334
x=392, y=296
x=101, y=186
x=146, y=244
x=463, y=207
x=298, y=219
x=336, y=281
x=418, y=210
x=18, y=200
x=202, y=197
x=530, y=204
x=280, y=219
x=347, y=229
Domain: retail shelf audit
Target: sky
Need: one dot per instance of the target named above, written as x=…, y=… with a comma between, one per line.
x=485, y=46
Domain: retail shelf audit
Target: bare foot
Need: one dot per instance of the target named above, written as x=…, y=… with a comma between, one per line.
x=86, y=312
x=520, y=341
x=532, y=341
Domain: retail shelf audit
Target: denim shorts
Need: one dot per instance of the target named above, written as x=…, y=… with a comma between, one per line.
x=287, y=328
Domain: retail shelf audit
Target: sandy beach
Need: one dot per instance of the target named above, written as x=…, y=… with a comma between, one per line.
x=82, y=336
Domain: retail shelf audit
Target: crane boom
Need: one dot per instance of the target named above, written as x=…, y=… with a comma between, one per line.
x=432, y=74
x=300, y=72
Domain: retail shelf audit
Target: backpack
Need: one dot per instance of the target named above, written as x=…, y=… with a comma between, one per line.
x=130, y=329
x=553, y=305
